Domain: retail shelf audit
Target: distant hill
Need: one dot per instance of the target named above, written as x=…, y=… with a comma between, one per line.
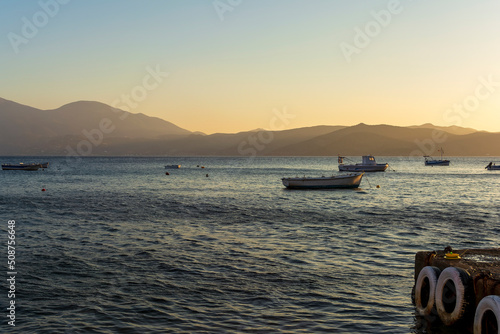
x=453, y=129
x=374, y=139
x=397, y=141
x=29, y=131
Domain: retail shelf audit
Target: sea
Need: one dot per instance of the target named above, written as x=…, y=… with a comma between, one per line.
x=116, y=245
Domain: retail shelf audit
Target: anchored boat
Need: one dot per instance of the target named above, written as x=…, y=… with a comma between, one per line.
x=431, y=162
x=368, y=165
x=331, y=182
x=492, y=166
x=21, y=166
x=173, y=166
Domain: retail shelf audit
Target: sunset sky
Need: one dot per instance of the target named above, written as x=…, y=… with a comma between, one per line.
x=232, y=63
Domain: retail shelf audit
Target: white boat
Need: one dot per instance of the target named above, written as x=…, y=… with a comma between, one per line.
x=368, y=165
x=440, y=162
x=492, y=166
x=173, y=166
x=324, y=182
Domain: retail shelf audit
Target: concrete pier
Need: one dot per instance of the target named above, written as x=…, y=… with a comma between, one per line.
x=483, y=265
x=451, y=289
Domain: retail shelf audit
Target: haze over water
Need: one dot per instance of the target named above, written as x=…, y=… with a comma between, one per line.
x=115, y=245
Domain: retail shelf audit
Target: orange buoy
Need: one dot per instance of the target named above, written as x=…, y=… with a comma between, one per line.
x=167, y=173
x=43, y=189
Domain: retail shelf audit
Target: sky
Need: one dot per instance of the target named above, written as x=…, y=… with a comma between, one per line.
x=237, y=65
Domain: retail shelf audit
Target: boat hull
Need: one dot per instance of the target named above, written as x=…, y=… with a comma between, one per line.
x=363, y=168
x=333, y=182
x=437, y=162
x=493, y=168
x=31, y=167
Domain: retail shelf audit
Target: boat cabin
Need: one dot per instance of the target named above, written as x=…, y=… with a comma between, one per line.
x=369, y=160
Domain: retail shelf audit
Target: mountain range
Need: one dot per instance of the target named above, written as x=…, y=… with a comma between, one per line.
x=94, y=128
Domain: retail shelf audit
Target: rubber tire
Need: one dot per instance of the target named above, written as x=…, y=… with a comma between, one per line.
x=425, y=288
x=488, y=303
x=463, y=299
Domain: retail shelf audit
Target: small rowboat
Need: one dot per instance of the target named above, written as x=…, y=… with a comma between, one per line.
x=331, y=182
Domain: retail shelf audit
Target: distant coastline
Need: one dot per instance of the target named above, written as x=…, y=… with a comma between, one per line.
x=89, y=128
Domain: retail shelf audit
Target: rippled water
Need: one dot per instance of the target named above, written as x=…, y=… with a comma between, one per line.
x=116, y=246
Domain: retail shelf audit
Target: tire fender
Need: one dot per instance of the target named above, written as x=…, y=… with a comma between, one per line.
x=454, y=295
x=425, y=288
x=487, y=317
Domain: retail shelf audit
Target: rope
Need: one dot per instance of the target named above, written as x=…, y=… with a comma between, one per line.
x=464, y=252
x=368, y=180
x=349, y=160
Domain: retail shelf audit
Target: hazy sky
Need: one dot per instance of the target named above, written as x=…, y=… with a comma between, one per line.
x=230, y=65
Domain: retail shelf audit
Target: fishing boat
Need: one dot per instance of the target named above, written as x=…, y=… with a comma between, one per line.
x=432, y=162
x=492, y=166
x=324, y=182
x=367, y=165
x=173, y=166
x=20, y=166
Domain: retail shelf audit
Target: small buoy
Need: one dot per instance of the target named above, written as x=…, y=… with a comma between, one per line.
x=452, y=256
x=207, y=175
x=202, y=166
x=43, y=189
x=167, y=173
x=197, y=165
x=378, y=186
